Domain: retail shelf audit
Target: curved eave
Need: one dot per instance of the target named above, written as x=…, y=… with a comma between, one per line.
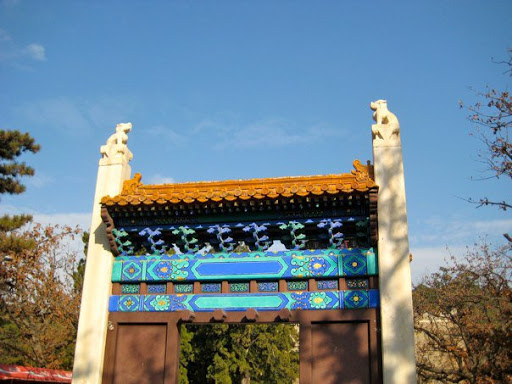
x=135, y=193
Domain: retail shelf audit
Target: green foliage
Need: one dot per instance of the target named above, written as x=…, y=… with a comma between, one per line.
x=225, y=354
x=40, y=278
x=12, y=145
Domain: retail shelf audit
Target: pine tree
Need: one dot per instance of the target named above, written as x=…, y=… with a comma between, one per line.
x=12, y=145
x=239, y=353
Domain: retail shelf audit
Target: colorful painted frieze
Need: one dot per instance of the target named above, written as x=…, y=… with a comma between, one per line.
x=271, y=301
x=255, y=265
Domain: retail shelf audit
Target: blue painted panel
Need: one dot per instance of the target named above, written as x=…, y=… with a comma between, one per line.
x=257, y=265
x=223, y=268
x=374, y=298
x=113, y=303
x=242, y=301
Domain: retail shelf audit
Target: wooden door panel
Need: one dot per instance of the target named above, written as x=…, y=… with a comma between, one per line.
x=140, y=354
x=340, y=353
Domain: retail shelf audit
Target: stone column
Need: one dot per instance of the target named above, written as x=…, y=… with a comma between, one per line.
x=113, y=170
x=399, y=364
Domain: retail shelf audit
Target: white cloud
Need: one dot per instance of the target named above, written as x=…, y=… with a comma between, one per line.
x=36, y=52
x=441, y=237
x=426, y=260
x=454, y=232
x=159, y=179
x=12, y=53
x=83, y=220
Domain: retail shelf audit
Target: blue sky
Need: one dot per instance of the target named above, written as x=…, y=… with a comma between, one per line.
x=242, y=89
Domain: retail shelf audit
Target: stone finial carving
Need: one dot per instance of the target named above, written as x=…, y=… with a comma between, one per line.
x=386, y=131
x=116, y=151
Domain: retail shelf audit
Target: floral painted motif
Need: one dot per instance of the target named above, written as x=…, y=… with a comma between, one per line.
x=163, y=270
x=161, y=303
x=309, y=266
x=300, y=300
x=318, y=266
x=319, y=300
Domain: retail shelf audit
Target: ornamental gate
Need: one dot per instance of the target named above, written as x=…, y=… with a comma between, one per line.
x=176, y=261
x=329, y=253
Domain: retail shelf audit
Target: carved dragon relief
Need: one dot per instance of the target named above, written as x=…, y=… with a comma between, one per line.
x=386, y=131
x=361, y=172
x=131, y=186
x=115, y=150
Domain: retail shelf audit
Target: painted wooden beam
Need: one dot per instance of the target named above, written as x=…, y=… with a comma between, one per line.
x=255, y=265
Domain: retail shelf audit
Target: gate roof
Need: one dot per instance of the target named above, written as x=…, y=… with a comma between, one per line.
x=135, y=193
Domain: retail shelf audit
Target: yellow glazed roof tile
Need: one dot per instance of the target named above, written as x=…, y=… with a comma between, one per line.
x=135, y=193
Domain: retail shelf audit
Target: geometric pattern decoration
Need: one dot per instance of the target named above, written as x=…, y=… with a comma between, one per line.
x=268, y=286
x=356, y=299
x=297, y=285
x=157, y=288
x=242, y=301
x=132, y=271
x=357, y=283
x=327, y=284
x=184, y=288
x=253, y=265
x=239, y=287
x=211, y=287
x=130, y=288
x=129, y=303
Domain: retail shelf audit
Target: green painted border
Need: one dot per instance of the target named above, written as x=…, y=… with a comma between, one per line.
x=371, y=262
x=116, y=271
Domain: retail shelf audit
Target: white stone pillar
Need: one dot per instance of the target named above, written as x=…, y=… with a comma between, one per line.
x=113, y=170
x=398, y=359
